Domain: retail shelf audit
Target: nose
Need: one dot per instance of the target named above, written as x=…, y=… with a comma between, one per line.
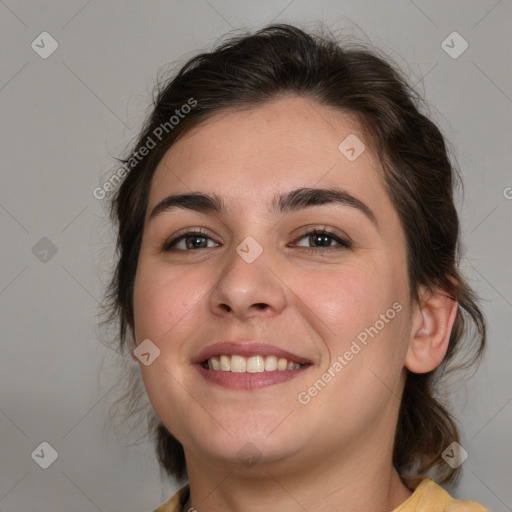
x=244, y=290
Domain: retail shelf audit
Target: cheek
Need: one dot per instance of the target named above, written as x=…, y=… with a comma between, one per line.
x=167, y=310
x=165, y=300
x=360, y=308
x=347, y=298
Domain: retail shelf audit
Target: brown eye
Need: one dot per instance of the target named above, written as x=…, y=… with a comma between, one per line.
x=188, y=241
x=322, y=239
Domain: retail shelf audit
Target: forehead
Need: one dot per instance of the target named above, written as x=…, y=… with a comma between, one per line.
x=248, y=155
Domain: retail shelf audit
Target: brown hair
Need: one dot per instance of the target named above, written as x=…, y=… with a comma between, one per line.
x=248, y=70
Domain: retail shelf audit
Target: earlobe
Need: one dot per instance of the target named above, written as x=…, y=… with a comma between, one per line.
x=430, y=334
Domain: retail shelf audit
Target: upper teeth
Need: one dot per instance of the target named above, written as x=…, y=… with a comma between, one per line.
x=253, y=364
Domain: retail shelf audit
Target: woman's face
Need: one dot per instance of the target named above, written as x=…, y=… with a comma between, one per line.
x=259, y=281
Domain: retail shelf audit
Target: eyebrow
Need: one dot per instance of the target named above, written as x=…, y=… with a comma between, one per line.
x=290, y=201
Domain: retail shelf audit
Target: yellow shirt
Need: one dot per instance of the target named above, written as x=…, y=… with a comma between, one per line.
x=427, y=497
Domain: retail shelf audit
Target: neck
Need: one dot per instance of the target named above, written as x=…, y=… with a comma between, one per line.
x=345, y=481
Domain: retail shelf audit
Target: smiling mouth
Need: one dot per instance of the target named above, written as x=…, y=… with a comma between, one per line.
x=253, y=364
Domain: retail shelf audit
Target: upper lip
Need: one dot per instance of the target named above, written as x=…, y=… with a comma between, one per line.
x=247, y=349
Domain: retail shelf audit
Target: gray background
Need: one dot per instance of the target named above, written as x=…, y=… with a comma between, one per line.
x=62, y=119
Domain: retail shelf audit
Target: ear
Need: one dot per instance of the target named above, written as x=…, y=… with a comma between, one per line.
x=432, y=324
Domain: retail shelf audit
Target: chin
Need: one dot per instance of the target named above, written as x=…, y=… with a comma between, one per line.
x=246, y=448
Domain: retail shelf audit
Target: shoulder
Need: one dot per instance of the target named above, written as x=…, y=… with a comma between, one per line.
x=431, y=497
x=175, y=504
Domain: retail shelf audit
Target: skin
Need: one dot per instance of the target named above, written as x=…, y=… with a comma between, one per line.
x=335, y=453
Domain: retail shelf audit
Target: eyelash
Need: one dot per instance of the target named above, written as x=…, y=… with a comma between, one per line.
x=343, y=244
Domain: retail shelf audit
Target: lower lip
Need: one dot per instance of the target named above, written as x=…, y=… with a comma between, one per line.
x=249, y=381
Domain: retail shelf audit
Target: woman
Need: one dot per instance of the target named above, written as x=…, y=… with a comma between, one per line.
x=288, y=282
